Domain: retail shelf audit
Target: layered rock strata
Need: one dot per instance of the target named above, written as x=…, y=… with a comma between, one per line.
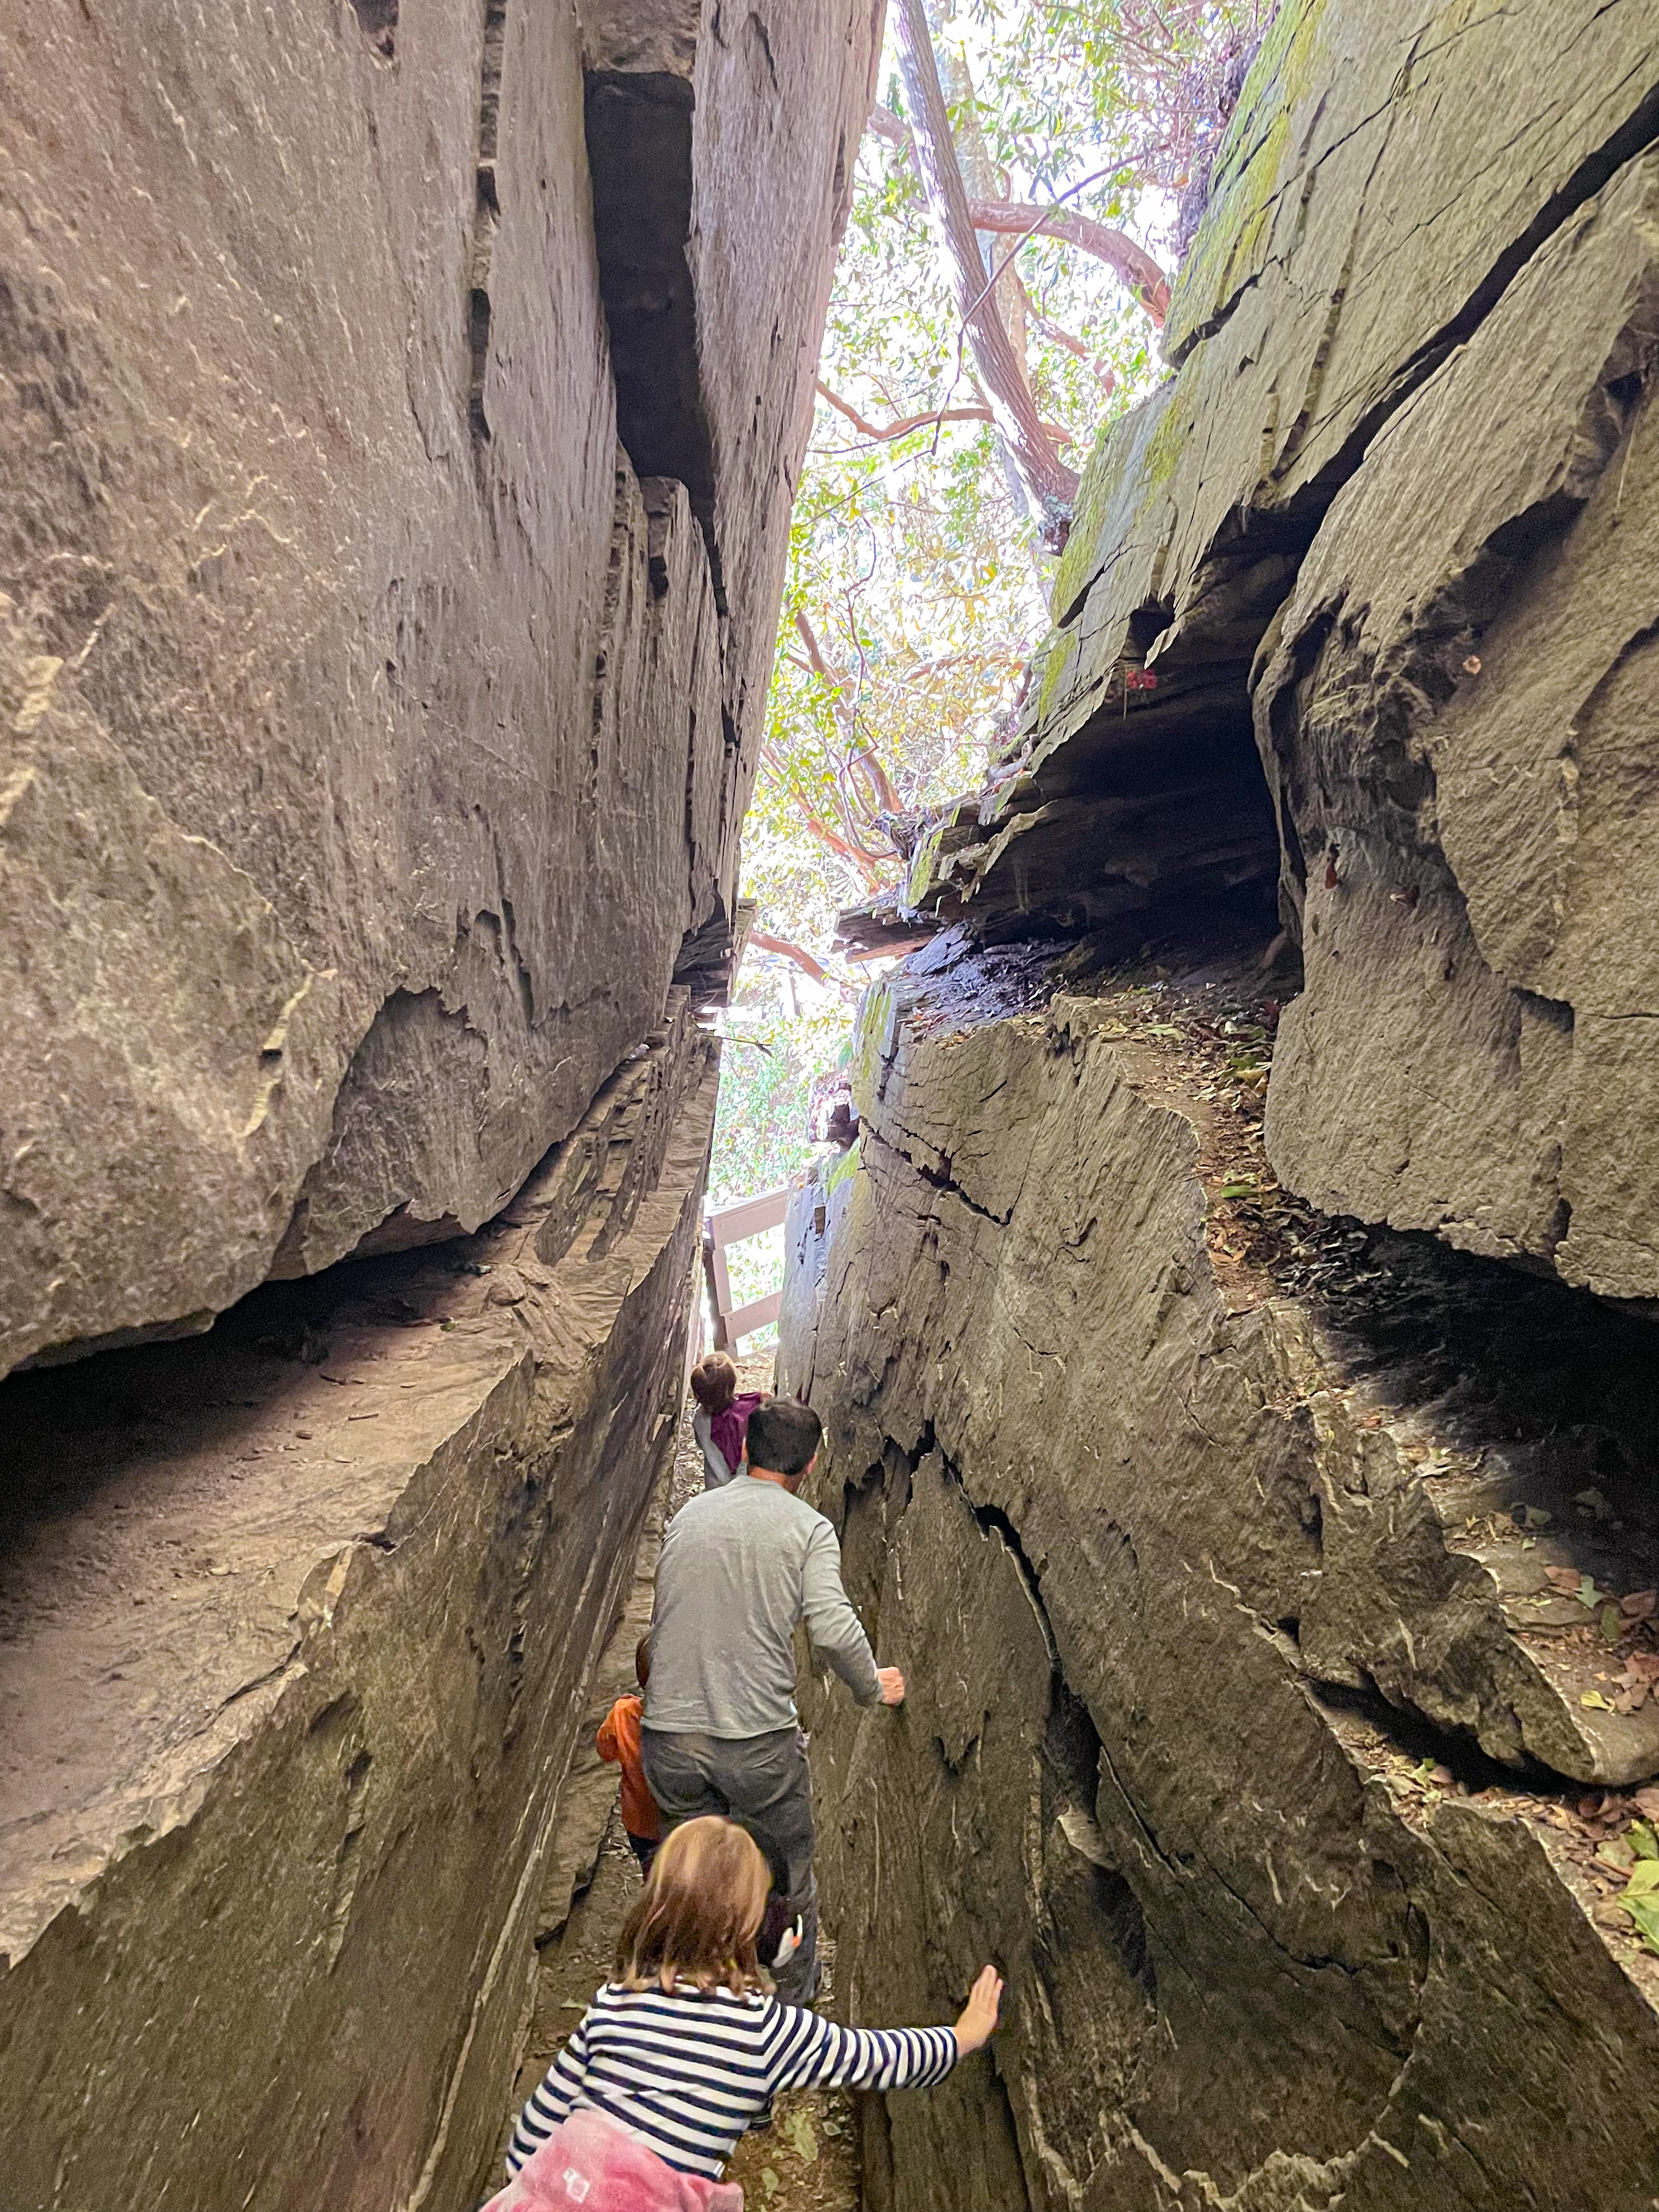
x=298, y=1621
x=1227, y=1552
x=379, y=715
x=1387, y=530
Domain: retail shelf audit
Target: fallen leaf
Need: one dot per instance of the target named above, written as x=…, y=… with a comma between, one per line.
x=1616, y=1853
x=1472, y=665
x=1611, y=1623
x=1644, y=1879
x=802, y=2137
x=1591, y=1501
x=1641, y=1837
x=1565, y=1579
x=769, y=2182
x=1648, y=1800
x=1596, y=1701
x=1588, y=1595
x=1639, y=1605
x=1537, y=1518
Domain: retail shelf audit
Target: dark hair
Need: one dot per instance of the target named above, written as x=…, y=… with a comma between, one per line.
x=714, y=1383
x=642, y=1659
x=783, y=1435
x=700, y=1911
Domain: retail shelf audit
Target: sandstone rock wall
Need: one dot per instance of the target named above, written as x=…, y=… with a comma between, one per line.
x=1234, y=1347
x=297, y=1636
x=378, y=726
x=1388, y=525
x=1246, y=1727
x=402, y=403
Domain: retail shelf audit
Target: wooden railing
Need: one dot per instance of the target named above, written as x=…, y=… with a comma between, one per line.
x=726, y=1226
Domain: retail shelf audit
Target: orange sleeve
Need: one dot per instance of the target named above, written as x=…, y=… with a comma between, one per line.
x=605, y=1741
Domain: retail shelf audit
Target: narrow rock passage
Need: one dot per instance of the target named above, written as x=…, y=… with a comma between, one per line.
x=808, y=2160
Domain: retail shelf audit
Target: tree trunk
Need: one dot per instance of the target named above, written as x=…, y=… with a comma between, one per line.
x=1051, y=485
x=978, y=173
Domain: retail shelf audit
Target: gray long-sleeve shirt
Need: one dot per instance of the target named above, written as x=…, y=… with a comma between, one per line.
x=740, y=1566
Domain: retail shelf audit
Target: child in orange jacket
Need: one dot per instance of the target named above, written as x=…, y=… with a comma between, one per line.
x=619, y=1745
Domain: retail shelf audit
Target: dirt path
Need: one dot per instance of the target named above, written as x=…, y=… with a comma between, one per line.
x=808, y=2160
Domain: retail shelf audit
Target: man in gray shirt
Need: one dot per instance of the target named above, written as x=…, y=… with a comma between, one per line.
x=740, y=1567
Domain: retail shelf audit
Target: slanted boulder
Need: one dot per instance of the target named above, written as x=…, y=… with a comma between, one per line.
x=1223, y=1550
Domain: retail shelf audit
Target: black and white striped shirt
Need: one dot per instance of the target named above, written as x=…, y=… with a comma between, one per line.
x=688, y=2070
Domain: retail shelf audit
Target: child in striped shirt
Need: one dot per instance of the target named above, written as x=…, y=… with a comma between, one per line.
x=687, y=2046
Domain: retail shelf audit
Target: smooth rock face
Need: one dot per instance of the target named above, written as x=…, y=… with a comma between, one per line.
x=1394, y=511
x=298, y=1619
x=375, y=738
x=1460, y=722
x=1197, y=1566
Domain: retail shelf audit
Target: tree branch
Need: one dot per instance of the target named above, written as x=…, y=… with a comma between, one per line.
x=884, y=796
x=884, y=433
x=790, y=951
x=1131, y=263
x=1104, y=377
x=1053, y=485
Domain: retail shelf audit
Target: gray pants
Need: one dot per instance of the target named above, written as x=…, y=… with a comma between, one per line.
x=762, y=1781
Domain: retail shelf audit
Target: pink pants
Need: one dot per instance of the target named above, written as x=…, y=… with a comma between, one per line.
x=588, y=2161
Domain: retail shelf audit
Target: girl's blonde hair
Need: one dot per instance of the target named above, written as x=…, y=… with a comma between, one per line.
x=697, y=1917
x=714, y=1383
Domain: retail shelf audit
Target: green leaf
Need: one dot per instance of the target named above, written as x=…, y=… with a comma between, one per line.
x=1537, y=1518
x=1644, y=1879
x=1616, y=1853
x=1644, y=1912
x=1591, y=1501
x=1596, y=1701
x=1240, y=1186
x=1611, y=1623
x=1643, y=1839
x=1588, y=1596
x=769, y=2181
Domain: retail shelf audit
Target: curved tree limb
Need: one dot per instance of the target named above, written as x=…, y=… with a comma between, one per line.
x=1131, y=264
x=803, y=959
x=885, y=433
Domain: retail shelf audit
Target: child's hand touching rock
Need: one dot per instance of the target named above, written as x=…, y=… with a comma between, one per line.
x=979, y=2014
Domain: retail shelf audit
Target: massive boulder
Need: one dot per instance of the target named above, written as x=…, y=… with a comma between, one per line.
x=379, y=713
x=1274, y=1581
x=399, y=450
x=1458, y=715
x=297, y=1633
x=1228, y=1558
x=1390, y=525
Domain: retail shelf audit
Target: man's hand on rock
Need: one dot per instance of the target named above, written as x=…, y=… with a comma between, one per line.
x=892, y=1686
